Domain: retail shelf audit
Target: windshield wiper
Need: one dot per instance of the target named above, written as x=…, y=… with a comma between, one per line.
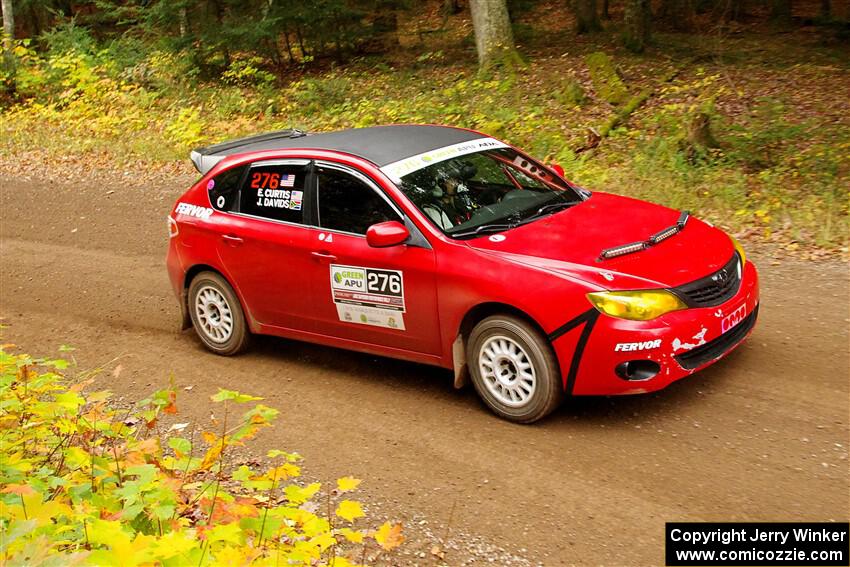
x=483, y=229
x=549, y=209
x=552, y=207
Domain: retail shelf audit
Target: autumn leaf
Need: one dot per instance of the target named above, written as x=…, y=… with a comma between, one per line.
x=388, y=536
x=232, y=396
x=171, y=407
x=349, y=510
x=297, y=495
x=211, y=456
x=347, y=483
x=79, y=386
x=20, y=489
x=353, y=536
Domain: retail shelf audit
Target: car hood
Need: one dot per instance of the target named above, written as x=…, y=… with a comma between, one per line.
x=569, y=243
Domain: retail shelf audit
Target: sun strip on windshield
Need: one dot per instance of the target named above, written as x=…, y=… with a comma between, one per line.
x=400, y=168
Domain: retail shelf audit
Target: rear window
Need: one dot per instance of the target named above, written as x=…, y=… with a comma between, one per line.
x=275, y=191
x=223, y=189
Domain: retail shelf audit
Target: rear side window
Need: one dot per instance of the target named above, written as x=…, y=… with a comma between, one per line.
x=348, y=204
x=224, y=188
x=275, y=191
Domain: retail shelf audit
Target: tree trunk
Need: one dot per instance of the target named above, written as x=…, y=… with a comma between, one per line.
x=451, y=7
x=494, y=38
x=780, y=11
x=287, y=44
x=385, y=24
x=636, y=25
x=678, y=15
x=587, y=19
x=8, y=33
x=183, y=19
x=605, y=14
x=698, y=133
x=825, y=10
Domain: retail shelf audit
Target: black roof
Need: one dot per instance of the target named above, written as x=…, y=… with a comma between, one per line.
x=381, y=145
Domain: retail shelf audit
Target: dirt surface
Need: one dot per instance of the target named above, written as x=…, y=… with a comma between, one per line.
x=762, y=435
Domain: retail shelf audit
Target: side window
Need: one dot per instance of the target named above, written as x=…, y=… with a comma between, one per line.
x=223, y=189
x=347, y=204
x=274, y=191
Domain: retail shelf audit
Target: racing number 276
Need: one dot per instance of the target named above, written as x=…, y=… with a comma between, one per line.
x=262, y=180
x=383, y=282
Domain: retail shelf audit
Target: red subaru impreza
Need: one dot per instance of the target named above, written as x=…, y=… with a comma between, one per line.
x=445, y=246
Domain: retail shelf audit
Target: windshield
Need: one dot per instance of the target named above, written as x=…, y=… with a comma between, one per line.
x=486, y=191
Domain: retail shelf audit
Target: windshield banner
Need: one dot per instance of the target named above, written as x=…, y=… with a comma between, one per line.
x=399, y=169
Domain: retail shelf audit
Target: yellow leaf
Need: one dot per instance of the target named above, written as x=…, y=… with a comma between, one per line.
x=173, y=544
x=347, y=483
x=349, y=510
x=297, y=495
x=388, y=536
x=323, y=541
x=353, y=536
x=231, y=533
x=212, y=455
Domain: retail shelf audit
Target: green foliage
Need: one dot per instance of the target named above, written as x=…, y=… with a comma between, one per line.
x=84, y=483
x=773, y=172
x=247, y=72
x=312, y=95
x=606, y=82
x=571, y=93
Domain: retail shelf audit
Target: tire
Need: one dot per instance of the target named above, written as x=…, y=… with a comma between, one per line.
x=497, y=350
x=217, y=315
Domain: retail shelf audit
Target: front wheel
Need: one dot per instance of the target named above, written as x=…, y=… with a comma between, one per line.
x=217, y=314
x=514, y=369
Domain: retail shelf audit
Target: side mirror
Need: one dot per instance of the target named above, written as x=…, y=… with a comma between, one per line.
x=385, y=234
x=557, y=169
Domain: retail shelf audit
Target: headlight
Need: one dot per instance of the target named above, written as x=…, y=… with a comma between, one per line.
x=739, y=249
x=636, y=305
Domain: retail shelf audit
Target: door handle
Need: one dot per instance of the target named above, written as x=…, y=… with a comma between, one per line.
x=323, y=256
x=232, y=239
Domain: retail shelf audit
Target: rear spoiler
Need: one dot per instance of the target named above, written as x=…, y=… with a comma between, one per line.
x=206, y=158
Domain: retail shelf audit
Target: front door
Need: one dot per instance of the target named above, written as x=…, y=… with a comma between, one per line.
x=380, y=296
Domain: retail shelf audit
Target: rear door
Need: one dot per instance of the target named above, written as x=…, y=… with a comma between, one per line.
x=266, y=246
x=380, y=296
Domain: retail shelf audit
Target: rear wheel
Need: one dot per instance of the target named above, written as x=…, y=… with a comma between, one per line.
x=514, y=369
x=217, y=314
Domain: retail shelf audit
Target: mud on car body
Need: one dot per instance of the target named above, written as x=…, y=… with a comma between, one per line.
x=447, y=247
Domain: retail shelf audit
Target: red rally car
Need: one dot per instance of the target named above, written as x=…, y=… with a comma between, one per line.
x=447, y=247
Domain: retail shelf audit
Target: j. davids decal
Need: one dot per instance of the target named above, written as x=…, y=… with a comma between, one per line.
x=645, y=345
x=733, y=318
x=191, y=210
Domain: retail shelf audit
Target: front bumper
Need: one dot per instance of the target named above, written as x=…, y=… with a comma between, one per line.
x=672, y=346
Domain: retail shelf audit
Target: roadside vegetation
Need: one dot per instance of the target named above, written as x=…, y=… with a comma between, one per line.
x=743, y=125
x=84, y=481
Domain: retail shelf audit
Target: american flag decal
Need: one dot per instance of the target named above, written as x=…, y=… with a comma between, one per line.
x=287, y=180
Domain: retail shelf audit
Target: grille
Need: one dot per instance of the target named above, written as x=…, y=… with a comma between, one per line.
x=713, y=289
x=712, y=350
